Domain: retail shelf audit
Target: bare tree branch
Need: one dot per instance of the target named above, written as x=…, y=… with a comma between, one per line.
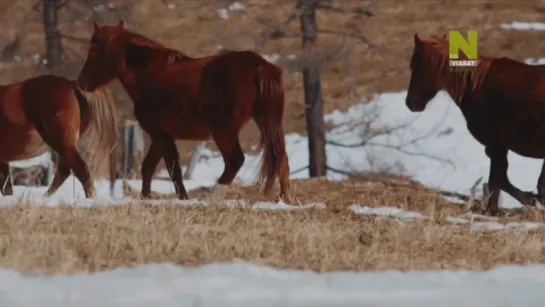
x=299, y=170
x=75, y=38
x=359, y=11
x=359, y=36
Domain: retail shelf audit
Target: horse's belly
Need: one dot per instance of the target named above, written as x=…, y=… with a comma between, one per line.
x=21, y=145
x=189, y=129
x=525, y=139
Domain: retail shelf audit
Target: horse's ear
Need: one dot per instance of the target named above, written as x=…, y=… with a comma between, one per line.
x=417, y=40
x=120, y=24
x=96, y=27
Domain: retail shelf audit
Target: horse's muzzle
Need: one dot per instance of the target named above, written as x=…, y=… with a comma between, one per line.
x=414, y=107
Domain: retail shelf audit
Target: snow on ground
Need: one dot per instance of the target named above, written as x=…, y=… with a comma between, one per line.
x=516, y=25
x=234, y=6
x=408, y=216
x=242, y=284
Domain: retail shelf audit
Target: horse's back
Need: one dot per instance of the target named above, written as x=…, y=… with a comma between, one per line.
x=23, y=105
x=508, y=109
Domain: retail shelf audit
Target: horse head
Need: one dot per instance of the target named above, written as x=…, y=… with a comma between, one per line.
x=424, y=73
x=99, y=68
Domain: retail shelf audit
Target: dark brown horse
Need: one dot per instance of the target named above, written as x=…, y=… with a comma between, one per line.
x=502, y=100
x=51, y=112
x=179, y=97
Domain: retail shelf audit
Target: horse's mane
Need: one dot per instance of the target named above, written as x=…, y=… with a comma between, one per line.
x=138, y=39
x=456, y=83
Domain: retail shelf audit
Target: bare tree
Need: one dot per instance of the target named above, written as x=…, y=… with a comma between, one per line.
x=314, y=102
x=53, y=42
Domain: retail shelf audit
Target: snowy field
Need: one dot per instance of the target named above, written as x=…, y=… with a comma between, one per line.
x=241, y=285
x=433, y=147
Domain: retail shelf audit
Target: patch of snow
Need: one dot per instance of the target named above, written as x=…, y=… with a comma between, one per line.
x=387, y=212
x=244, y=284
x=282, y=206
x=535, y=61
x=516, y=25
x=404, y=215
x=223, y=13
x=272, y=58
x=167, y=187
x=43, y=159
x=236, y=6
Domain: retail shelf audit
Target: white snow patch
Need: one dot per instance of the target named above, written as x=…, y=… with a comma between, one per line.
x=516, y=25
x=272, y=58
x=243, y=284
x=43, y=159
x=404, y=215
x=387, y=212
x=283, y=206
x=223, y=13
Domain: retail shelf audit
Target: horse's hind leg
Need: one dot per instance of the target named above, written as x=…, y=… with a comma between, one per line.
x=498, y=180
x=231, y=151
x=74, y=160
x=61, y=174
x=172, y=162
x=151, y=160
x=541, y=182
x=6, y=185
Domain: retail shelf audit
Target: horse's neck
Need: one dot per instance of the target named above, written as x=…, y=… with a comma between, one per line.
x=128, y=78
x=461, y=86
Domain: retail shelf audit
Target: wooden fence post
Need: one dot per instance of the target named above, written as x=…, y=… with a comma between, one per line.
x=193, y=160
x=133, y=147
x=51, y=167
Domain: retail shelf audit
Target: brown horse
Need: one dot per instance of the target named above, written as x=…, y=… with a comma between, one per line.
x=502, y=100
x=179, y=97
x=50, y=111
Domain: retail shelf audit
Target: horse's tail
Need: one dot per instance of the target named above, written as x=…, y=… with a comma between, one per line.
x=269, y=116
x=100, y=137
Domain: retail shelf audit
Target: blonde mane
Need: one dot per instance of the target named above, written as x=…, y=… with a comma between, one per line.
x=456, y=83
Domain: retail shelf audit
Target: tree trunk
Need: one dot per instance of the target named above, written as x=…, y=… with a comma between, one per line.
x=314, y=102
x=53, y=45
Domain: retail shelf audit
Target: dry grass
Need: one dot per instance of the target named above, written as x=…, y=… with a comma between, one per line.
x=68, y=240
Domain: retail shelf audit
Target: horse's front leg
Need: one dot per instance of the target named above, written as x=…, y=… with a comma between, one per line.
x=498, y=180
x=541, y=185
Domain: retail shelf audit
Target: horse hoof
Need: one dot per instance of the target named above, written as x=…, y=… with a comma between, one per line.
x=289, y=200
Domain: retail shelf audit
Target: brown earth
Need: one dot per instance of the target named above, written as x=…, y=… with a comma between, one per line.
x=354, y=71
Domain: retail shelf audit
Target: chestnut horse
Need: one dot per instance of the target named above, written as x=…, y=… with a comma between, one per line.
x=502, y=100
x=177, y=97
x=50, y=111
